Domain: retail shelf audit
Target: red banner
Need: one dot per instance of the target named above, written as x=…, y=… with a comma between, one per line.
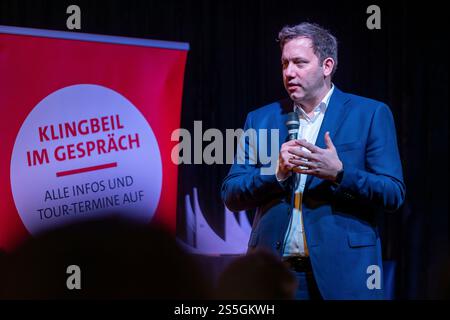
x=86, y=124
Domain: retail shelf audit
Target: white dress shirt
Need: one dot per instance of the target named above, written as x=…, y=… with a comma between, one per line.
x=308, y=130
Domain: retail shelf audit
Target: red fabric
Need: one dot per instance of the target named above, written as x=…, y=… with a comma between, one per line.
x=31, y=68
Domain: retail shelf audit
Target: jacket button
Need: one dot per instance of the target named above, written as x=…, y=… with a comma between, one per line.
x=278, y=244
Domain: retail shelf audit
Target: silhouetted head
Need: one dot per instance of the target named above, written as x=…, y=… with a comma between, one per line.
x=116, y=259
x=258, y=275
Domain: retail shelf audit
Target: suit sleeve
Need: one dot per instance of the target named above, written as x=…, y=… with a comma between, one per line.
x=245, y=187
x=382, y=182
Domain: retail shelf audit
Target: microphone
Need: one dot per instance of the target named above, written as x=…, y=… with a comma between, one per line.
x=292, y=125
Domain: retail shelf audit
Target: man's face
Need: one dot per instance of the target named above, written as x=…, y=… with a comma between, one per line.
x=303, y=75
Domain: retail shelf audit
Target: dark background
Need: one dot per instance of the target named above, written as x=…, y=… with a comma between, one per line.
x=234, y=66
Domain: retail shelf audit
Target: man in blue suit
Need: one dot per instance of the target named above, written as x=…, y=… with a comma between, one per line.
x=344, y=168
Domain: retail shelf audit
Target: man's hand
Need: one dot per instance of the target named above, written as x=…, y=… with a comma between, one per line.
x=322, y=163
x=284, y=166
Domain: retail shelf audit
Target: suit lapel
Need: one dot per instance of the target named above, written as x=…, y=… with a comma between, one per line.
x=334, y=116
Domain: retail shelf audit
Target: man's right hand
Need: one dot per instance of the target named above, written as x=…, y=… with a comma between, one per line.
x=284, y=166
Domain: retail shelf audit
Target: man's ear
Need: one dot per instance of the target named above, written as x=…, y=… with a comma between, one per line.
x=328, y=65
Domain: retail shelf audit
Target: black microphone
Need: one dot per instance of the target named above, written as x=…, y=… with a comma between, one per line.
x=292, y=125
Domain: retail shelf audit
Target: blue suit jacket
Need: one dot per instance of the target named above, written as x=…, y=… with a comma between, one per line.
x=340, y=221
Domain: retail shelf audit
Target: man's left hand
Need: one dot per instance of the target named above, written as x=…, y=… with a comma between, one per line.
x=322, y=163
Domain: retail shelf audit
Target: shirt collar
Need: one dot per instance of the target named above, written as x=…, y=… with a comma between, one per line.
x=321, y=107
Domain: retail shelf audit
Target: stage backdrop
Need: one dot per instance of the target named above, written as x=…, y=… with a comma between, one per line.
x=86, y=123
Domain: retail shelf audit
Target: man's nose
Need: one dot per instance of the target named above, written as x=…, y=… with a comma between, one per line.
x=289, y=71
